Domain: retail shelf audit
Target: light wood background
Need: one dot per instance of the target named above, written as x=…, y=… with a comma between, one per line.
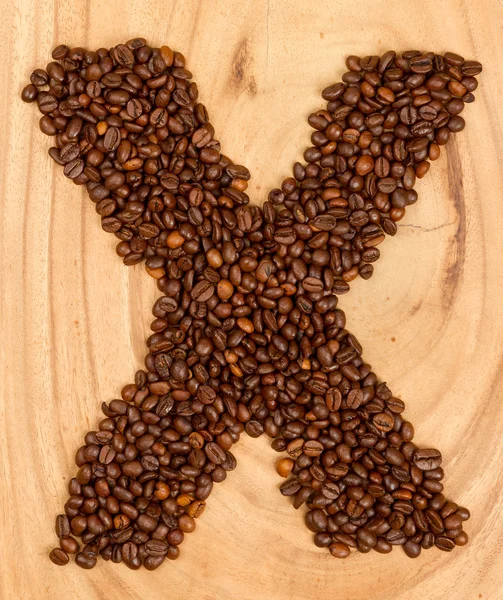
x=73, y=319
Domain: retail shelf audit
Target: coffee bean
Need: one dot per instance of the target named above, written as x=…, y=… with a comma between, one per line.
x=354, y=399
x=62, y=526
x=39, y=77
x=112, y=139
x=444, y=543
x=74, y=168
x=284, y=466
x=290, y=487
x=426, y=460
x=412, y=549
x=312, y=448
x=123, y=55
x=396, y=537
x=215, y=453
x=59, y=557
x=464, y=513
x=156, y=547
x=420, y=64
x=47, y=103
x=85, y=560
x=153, y=562
x=434, y=520
x=69, y=152
x=383, y=422
x=330, y=490
x=324, y=222
x=428, y=541
x=317, y=520
x=453, y=521
x=69, y=545
x=311, y=284
x=29, y=93
x=285, y=235
x=202, y=291
x=254, y=429
x=333, y=399
x=339, y=550
x=334, y=91
x=461, y=539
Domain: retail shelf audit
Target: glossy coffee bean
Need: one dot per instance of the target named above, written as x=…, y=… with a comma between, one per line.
x=59, y=557
x=339, y=550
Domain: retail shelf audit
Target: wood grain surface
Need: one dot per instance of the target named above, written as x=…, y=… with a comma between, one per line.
x=73, y=319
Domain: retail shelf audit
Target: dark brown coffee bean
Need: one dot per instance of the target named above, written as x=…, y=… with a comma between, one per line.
x=333, y=92
x=324, y=223
x=426, y=460
x=69, y=545
x=435, y=522
x=59, y=557
x=123, y=55
x=312, y=448
x=29, y=93
x=290, y=487
x=156, y=547
x=311, y=284
x=330, y=490
x=202, y=291
x=383, y=421
x=74, y=168
x=62, y=526
x=39, y=77
x=333, y=399
x=339, y=550
x=69, y=152
x=215, y=453
x=254, y=429
x=366, y=537
x=444, y=543
x=412, y=549
x=112, y=139
x=85, y=560
x=47, y=103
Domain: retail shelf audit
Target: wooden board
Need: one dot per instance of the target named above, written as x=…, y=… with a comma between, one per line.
x=74, y=319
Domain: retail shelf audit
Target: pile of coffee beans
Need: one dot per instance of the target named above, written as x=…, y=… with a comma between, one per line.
x=247, y=335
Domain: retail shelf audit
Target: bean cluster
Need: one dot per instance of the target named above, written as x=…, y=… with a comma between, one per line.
x=247, y=335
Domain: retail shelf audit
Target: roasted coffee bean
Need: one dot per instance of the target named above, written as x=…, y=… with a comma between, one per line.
x=290, y=487
x=111, y=139
x=396, y=537
x=215, y=453
x=444, y=543
x=339, y=550
x=59, y=557
x=62, y=526
x=284, y=466
x=69, y=545
x=334, y=399
x=383, y=422
x=74, y=168
x=311, y=284
x=86, y=560
x=202, y=291
x=29, y=93
x=412, y=549
x=426, y=460
x=156, y=547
